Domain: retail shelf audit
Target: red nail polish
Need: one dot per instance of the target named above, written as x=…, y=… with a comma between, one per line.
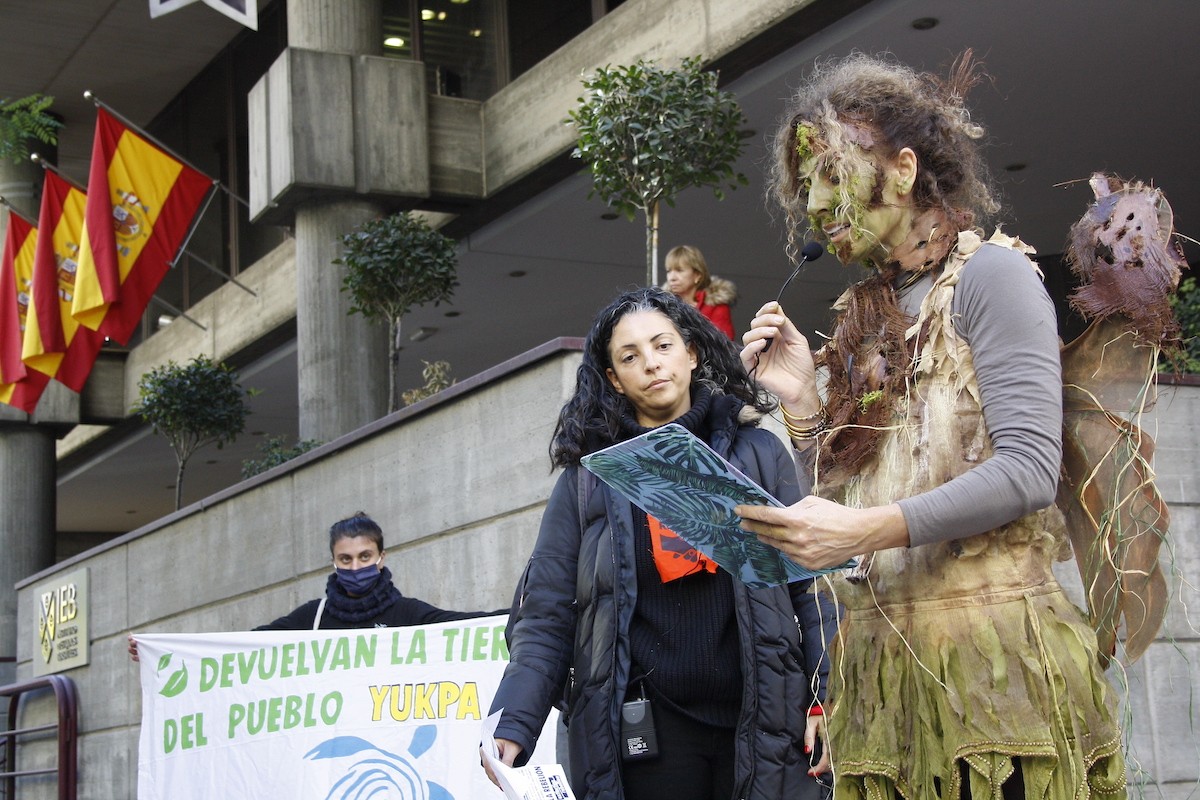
x=808, y=749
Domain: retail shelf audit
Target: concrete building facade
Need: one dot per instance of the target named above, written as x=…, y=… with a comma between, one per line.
x=335, y=134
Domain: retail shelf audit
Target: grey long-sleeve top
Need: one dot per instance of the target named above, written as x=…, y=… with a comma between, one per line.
x=1003, y=312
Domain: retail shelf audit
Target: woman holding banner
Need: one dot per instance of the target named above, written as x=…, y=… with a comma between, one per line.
x=605, y=617
x=360, y=592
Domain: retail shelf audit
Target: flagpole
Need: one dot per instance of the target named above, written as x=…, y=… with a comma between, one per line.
x=13, y=210
x=192, y=229
x=46, y=165
x=214, y=270
x=96, y=101
x=178, y=312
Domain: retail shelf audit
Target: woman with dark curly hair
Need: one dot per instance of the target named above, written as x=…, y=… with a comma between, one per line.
x=960, y=669
x=613, y=608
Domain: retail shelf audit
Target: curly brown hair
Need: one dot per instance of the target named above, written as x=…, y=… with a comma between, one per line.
x=882, y=106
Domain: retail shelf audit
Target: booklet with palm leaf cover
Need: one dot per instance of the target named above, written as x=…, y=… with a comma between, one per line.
x=675, y=477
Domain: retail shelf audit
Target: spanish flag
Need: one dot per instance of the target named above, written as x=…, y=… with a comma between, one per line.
x=141, y=204
x=54, y=343
x=19, y=387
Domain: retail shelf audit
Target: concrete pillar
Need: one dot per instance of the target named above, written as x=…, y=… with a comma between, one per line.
x=342, y=358
x=21, y=185
x=26, y=462
x=336, y=26
x=26, y=524
x=27, y=458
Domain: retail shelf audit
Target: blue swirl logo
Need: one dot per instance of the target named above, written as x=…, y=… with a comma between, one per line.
x=377, y=773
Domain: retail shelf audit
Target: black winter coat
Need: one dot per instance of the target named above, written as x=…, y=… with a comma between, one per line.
x=576, y=599
x=384, y=607
x=406, y=611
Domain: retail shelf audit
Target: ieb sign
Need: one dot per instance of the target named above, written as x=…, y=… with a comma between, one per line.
x=62, y=629
x=376, y=712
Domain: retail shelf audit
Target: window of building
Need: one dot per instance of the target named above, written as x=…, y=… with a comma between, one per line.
x=536, y=28
x=472, y=48
x=455, y=39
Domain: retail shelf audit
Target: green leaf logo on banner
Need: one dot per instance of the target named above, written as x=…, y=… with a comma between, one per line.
x=177, y=682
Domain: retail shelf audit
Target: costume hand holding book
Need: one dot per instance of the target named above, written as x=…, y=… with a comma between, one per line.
x=689, y=488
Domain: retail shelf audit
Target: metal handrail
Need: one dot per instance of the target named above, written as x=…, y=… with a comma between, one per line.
x=67, y=700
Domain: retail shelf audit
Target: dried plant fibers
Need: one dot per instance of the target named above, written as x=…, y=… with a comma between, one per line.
x=1128, y=265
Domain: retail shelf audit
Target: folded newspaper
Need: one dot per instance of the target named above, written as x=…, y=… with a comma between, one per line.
x=674, y=476
x=531, y=782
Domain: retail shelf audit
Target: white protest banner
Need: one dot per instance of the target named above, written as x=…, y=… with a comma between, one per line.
x=385, y=713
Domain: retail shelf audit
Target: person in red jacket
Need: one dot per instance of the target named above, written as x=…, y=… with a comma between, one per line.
x=688, y=279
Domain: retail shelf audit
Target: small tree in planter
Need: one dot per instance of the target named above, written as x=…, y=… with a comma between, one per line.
x=193, y=405
x=437, y=377
x=392, y=265
x=647, y=133
x=275, y=451
x=24, y=119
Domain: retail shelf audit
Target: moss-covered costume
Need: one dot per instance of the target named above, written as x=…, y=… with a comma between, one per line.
x=964, y=650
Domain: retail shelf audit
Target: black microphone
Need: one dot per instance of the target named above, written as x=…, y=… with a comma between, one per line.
x=810, y=252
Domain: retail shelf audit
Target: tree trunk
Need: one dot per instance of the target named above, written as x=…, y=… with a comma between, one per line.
x=179, y=483
x=652, y=244
x=393, y=363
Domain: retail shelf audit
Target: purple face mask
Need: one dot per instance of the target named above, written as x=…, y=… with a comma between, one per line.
x=358, y=582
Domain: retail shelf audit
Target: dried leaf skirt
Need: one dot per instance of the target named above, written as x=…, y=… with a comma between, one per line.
x=1012, y=674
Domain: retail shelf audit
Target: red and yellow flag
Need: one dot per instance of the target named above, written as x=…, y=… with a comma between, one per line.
x=19, y=387
x=141, y=203
x=54, y=342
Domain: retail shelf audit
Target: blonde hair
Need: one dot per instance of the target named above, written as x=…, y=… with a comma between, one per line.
x=685, y=256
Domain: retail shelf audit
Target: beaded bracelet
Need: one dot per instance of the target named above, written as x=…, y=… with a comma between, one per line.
x=818, y=414
x=811, y=432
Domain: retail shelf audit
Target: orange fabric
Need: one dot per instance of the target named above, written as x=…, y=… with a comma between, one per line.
x=673, y=557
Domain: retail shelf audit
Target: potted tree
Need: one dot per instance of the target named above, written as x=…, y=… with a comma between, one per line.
x=392, y=265
x=647, y=133
x=275, y=451
x=193, y=405
x=437, y=377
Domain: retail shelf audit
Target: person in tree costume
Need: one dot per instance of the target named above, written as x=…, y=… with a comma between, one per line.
x=936, y=443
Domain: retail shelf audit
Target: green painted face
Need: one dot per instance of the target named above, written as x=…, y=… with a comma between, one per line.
x=840, y=188
x=806, y=136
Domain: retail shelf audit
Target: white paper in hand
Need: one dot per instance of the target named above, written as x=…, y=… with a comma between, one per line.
x=531, y=782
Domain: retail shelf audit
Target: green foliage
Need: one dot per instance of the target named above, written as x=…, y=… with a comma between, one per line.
x=647, y=133
x=193, y=405
x=24, y=119
x=275, y=452
x=437, y=377
x=396, y=263
x=1186, y=304
x=393, y=264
